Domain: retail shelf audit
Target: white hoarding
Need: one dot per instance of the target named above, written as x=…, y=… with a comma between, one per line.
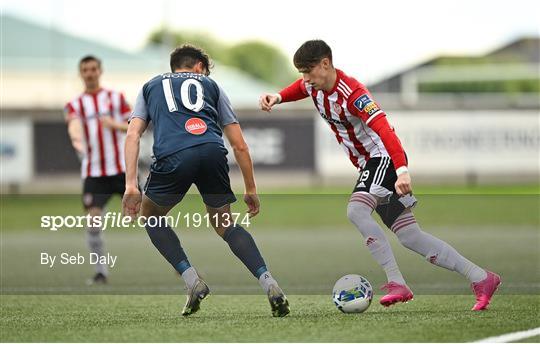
x=452, y=143
x=16, y=150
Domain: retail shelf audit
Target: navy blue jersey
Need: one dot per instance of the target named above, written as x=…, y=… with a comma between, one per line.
x=186, y=109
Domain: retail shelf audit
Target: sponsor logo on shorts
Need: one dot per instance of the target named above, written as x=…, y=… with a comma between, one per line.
x=361, y=185
x=196, y=126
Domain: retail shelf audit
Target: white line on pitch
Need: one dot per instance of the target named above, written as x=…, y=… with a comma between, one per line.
x=511, y=337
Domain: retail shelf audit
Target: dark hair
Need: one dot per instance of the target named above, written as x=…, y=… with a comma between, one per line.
x=187, y=55
x=311, y=53
x=89, y=58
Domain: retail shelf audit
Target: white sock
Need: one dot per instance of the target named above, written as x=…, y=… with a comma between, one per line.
x=434, y=249
x=471, y=271
x=94, y=239
x=382, y=252
x=359, y=212
x=266, y=280
x=190, y=276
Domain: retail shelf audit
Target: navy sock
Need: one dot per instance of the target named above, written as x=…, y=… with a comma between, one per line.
x=243, y=246
x=167, y=243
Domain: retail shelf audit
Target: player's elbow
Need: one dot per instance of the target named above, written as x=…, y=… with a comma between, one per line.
x=132, y=137
x=240, y=148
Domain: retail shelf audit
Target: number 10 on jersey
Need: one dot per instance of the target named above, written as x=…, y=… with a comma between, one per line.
x=185, y=97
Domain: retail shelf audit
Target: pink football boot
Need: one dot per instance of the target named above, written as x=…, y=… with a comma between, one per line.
x=484, y=290
x=396, y=293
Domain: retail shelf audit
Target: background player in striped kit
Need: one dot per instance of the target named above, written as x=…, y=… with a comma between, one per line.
x=97, y=122
x=384, y=185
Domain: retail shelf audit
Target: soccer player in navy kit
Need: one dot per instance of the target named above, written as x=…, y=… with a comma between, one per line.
x=190, y=112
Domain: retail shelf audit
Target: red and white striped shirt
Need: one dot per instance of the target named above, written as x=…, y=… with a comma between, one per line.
x=359, y=124
x=104, y=147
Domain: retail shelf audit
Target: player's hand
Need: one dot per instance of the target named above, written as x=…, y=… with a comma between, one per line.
x=403, y=184
x=131, y=202
x=79, y=147
x=253, y=203
x=267, y=101
x=108, y=122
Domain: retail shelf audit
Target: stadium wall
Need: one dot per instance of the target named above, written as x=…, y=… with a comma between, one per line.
x=443, y=147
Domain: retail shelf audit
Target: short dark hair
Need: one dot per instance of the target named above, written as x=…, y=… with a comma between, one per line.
x=89, y=58
x=311, y=53
x=187, y=55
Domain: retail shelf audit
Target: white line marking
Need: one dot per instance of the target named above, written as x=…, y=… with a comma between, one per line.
x=511, y=337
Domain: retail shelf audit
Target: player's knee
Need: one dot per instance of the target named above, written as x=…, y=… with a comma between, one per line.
x=409, y=236
x=220, y=231
x=360, y=205
x=94, y=211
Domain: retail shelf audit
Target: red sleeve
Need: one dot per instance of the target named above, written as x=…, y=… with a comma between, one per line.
x=69, y=112
x=390, y=140
x=125, y=109
x=362, y=105
x=293, y=92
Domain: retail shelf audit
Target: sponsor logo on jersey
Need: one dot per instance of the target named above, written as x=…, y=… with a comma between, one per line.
x=366, y=104
x=332, y=120
x=196, y=126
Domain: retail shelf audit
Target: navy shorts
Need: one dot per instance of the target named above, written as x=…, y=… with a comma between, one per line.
x=204, y=165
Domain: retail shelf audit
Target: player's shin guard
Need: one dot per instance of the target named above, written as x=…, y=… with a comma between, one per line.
x=243, y=246
x=435, y=250
x=168, y=244
x=359, y=212
x=94, y=238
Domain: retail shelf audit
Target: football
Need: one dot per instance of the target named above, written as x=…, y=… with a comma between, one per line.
x=352, y=294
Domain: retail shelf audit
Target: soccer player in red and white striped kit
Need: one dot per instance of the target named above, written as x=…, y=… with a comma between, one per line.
x=362, y=130
x=97, y=122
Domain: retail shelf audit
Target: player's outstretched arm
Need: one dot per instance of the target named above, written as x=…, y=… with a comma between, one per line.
x=291, y=93
x=131, y=202
x=233, y=132
x=267, y=101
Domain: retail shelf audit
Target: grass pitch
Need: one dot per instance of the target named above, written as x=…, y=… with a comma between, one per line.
x=226, y=318
x=308, y=243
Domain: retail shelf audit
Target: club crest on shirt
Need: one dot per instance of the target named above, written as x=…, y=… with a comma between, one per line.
x=366, y=104
x=337, y=108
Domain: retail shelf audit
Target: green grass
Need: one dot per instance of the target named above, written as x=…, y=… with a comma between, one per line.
x=304, y=261
x=318, y=207
x=307, y=242
x=313, y=318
